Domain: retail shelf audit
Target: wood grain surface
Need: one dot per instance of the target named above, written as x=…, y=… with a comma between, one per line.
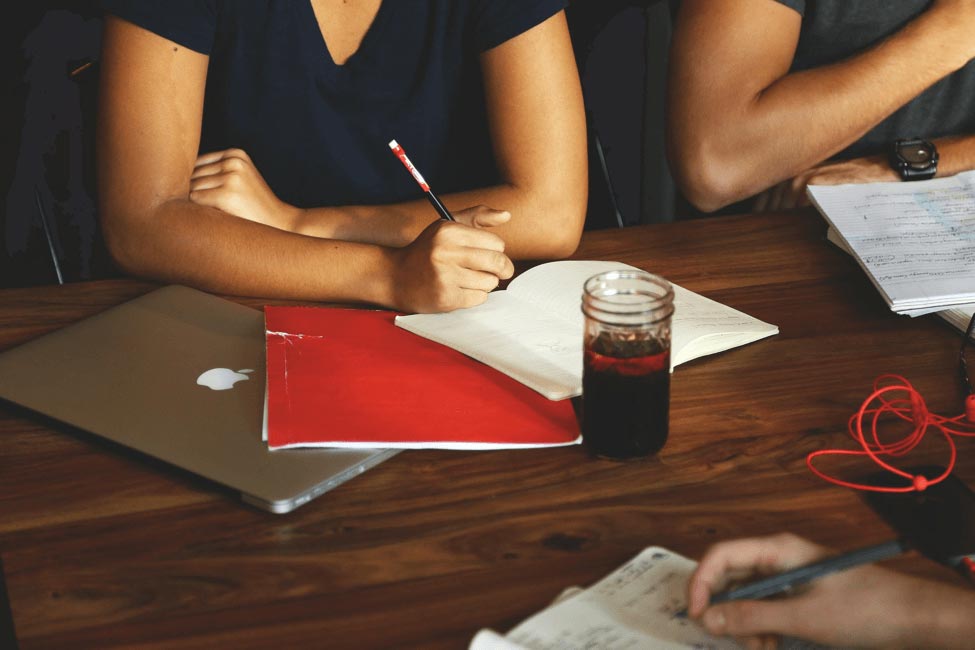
x=104, y=549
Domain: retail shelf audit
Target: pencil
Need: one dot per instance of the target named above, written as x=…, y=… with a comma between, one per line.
x=438, y=206
x=787, y=581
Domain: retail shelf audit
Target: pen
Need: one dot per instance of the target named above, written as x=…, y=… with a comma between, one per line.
x=398, y=150
x=789, y=580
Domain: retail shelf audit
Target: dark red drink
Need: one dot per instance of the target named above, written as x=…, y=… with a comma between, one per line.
x=625, y=397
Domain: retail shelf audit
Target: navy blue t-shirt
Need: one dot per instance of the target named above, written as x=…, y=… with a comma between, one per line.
x=319, y=132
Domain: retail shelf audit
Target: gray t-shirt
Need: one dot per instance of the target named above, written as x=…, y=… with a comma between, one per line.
x=833, y=30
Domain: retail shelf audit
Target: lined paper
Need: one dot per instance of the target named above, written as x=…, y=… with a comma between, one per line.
x=915, y=240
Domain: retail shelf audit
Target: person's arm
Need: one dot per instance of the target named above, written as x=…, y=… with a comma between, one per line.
x=862, y=607
x=149, y=123
x=956, y=154
x=538, y=130
x=740, y=122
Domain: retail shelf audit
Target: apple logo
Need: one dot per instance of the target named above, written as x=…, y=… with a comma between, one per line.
x=222, y=378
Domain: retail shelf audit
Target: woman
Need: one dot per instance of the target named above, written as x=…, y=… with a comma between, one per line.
x=292, y=104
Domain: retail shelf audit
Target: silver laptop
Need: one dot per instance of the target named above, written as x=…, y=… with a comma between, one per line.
x=177, y=374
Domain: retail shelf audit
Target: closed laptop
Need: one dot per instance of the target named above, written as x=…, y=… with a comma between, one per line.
x=177, y=374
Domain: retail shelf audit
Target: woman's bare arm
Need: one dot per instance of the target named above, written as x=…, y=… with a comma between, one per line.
x=538, y=130
x=150, y=116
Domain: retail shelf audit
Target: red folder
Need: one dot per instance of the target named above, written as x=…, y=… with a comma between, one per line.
x=351, y=378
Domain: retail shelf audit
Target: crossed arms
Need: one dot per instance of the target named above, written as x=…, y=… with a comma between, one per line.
x=212, y=222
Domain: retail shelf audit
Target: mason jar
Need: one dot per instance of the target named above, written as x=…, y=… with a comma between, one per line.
x=626, y=371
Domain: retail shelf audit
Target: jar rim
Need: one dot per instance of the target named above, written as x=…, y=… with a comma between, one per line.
x=656, y=315
x=664, y=289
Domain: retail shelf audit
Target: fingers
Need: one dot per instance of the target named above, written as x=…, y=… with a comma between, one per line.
x=214, y=156
x=458, y=299
x=213, y=197
x=213, y=190
x=469, y=298
x=786, y=195
x=218, y=168
x=777, y=199
x=761, y=201
x=492, y=262
x=478, y=281
x=481, y=216
x=447, y=234
x=222, y=166
x=751, y=618
x=727, y=560
x=460, y=235
x=208, y=182
x=491, y=218
x=797, y=192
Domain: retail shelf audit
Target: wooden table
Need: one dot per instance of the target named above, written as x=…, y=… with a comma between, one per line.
x=103, y=549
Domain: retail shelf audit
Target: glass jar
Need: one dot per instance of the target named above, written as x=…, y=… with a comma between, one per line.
x=626, y=371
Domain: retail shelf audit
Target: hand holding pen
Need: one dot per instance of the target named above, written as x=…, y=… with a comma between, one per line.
x=450, y=265
x=865, y=606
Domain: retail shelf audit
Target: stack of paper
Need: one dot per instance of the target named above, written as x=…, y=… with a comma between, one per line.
x=916, y=240
x=959, y=317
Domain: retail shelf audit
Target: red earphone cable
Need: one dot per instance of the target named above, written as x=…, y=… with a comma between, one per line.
x=911, y=408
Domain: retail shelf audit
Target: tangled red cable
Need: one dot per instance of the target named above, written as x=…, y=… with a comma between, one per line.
x=909, y=406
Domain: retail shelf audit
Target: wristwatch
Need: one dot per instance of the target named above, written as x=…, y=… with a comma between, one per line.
x=914, y=159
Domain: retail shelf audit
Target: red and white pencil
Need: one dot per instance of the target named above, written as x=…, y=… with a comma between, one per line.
x=398, y=150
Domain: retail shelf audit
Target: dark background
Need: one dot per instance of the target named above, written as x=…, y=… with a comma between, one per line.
x=46, y=162
x=47, y=145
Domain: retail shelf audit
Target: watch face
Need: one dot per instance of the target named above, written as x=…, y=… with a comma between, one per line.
x=917, y=155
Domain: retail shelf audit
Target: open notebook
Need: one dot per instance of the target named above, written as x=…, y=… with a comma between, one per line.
x=532, y=331
x=633, y=607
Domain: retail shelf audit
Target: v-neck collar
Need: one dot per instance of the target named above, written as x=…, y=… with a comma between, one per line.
x=317, y=40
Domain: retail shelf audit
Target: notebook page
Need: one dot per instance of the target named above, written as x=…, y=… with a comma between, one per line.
x=529, y=344
x=556, y=287
x=703, y=326
x=834, y=237
x=633, y=607
x=916, y=240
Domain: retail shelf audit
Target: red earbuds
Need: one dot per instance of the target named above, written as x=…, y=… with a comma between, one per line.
x=908, y=406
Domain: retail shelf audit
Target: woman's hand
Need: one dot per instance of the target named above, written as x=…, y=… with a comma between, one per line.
x=229, y=181
x=863, y=607
x=452, y=265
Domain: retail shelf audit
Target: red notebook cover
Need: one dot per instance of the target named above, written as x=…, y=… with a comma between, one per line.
x=351, y=378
